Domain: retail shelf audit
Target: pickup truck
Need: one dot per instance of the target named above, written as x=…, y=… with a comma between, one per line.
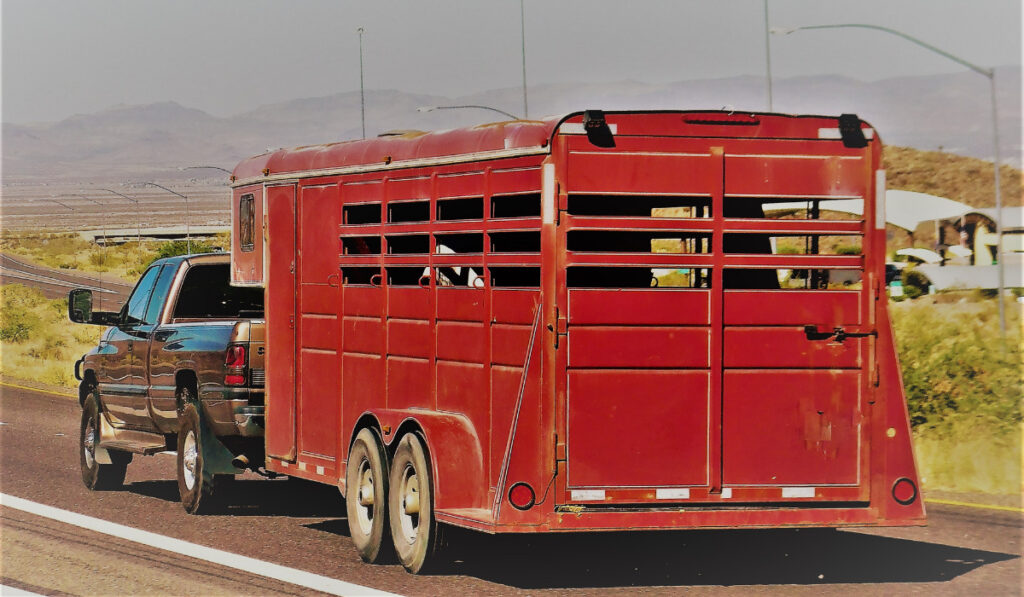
x=180, y=367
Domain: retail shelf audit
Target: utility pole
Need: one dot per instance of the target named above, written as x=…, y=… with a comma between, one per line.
x=768, y=55
x=362, y=94
x=522, y=30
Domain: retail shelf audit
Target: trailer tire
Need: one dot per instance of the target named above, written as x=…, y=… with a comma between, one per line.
x=196, y=485
x=414, y=531
x=95, y=475
x=366, y=498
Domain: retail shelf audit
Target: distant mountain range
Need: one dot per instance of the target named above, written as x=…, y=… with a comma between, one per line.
x=928, y=112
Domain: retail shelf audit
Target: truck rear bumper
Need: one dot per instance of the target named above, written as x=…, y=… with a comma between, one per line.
x=230, y=412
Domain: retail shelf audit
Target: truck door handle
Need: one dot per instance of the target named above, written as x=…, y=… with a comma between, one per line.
x=162, y=335
x=813, y=333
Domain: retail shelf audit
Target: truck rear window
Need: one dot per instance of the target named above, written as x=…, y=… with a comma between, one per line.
x=207, y=294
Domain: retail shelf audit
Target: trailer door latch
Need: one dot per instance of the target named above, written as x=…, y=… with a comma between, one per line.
x=813, y=333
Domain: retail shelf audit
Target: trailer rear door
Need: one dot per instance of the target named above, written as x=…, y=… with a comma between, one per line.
x=702, y=359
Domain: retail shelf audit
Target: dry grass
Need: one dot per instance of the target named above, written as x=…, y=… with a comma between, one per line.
x=71, y=252
x=37, y=342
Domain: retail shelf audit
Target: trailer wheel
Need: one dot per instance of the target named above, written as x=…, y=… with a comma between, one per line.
x=95, y=475
x=195, y=484
x=414, y=531
x=366, y=497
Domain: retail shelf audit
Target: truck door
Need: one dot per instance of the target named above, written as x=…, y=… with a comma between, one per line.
x=280, y=313
x=122, y=389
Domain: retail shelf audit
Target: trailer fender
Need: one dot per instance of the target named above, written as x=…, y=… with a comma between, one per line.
x=454, y=449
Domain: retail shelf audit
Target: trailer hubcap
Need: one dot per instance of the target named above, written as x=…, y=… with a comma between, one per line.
x=410, y=512
x=89, y=444
x=365, y=497
x=190, y=454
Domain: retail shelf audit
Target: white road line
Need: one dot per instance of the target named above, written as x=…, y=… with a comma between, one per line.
x=6, y=591
x=184, y=548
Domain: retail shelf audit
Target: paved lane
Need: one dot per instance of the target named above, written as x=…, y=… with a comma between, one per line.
x=55, y=283
x=302, y=525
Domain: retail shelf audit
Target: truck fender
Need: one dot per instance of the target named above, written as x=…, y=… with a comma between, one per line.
x=454, y=448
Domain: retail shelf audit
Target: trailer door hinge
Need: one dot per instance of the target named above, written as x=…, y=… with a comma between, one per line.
x=561, y=327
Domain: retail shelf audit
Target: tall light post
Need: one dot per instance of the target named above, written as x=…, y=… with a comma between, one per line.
x=138, y=213
x=990, y=73
x=204, y=167
x=362, y=94
x=64, y=205
x=522, y=31
x=103, y=224
x=432, y=108
x=188, y=234
x=768, y=55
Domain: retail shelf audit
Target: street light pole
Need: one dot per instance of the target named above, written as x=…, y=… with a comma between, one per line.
x=522, y=30
x=768, y=55
x=201, y=167
x=138, y=214
x=103, y=225
x=432, y=108
x=188, y=234
x=362, y=94
x=987, y=72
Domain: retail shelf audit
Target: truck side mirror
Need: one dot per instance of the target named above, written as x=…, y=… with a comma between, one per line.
x=80, y=305
x=80, y=309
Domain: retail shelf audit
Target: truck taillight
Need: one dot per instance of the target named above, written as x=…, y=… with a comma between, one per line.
x=234, y=365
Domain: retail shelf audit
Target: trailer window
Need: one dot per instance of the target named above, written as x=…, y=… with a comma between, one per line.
x=471, y=208
x=515, y=277
x=361, y=245
x=639, y=206
x=525, y=205
x=409, y=211
x=460, y=243
x=246, y=222
x=361, y=213
x=515, y=242
x=409, y=243
x=637, y=277
x=359, y=275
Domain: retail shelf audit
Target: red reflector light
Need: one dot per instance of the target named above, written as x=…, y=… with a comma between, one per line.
x=234, y=365
x=521, y=496
x=234, y=380
x=904, y=491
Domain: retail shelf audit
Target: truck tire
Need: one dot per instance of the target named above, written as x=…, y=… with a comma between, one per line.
x=95, y=475
x=195, y=484
x=366, y=498
x=416, y=535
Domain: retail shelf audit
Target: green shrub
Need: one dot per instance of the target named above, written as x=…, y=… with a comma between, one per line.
x=954, y=367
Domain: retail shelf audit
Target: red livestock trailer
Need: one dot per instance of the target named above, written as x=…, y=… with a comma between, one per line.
x=595, y=322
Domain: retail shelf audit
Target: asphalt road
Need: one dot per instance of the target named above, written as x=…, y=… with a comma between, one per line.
x=55, y=283
x=302, y=525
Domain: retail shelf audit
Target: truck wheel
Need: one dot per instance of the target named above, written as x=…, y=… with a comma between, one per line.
x=415, y=532
x=195, y=483
x=366, y=497
x=98, y=476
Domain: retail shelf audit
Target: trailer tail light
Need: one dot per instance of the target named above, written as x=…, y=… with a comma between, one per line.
x=234, y=365
x=521, y=496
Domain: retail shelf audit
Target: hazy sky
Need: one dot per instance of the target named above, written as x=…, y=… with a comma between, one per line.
x=65, y=57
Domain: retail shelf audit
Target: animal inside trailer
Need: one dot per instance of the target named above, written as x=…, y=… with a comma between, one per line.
x=582, y=323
